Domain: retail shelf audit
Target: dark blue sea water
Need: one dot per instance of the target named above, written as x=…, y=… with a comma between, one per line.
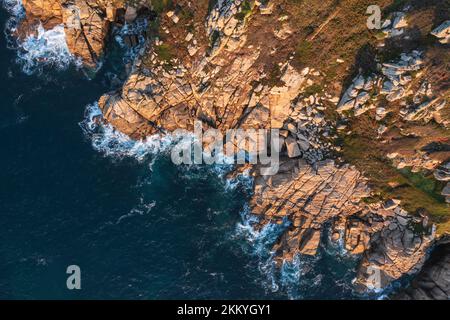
x=138, y=228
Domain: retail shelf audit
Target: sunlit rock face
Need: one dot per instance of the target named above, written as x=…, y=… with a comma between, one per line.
x=86, y=24
x=217, y=74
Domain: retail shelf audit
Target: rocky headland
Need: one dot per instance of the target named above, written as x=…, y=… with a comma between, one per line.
x=363, y=114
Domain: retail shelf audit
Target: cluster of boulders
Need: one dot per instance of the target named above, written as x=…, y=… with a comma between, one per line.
x=225, y=85
x=393, y=82
x=398, y=74
x=357, y=96
x=225, y=28
x=417, y=161
x=425, y=111
x=395, y=76
x=224, y=88
x=442, y=32
x=202, y=87
x=307, y=130
x=306, y=198
x=394, y=25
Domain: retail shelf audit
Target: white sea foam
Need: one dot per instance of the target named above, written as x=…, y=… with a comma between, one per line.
x=43, y=48
x=17, y=13
x=113, y=143
x=244, y=179
x=46, y=48
x=138, y=29
x=294, y=278
x=14, y=7
x=261, y=240
x=140, y=210
x=259, y=244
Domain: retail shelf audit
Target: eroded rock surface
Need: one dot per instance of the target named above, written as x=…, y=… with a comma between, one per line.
x=433, y=281
x=225, y=85
x=306, y=198
x=221, y=85
x=220, y=77
x=86, y=24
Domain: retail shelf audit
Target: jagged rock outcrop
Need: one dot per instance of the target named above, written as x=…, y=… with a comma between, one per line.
x=219, y=76
x=86, y=24
x=433, y=281
x=226, y=86
x=442, y=32
x=86, y=29
x=395, y=24
x=398, y=249
x=392, y=82
x=221, y=85
x=306, y=198
x=47, y=12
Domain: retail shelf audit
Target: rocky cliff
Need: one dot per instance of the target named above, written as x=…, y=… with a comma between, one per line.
x=433, y=281
x=86, y=23
x=363, y=115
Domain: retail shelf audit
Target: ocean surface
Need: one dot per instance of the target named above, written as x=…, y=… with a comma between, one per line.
x=138, y=226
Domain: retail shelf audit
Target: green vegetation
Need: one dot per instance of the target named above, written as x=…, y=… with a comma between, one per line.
x=418, y=193
x=246, y=9
x=274, y=76
x=164, y=53
x=161, y=5
x=425, y=183
x=312, y=90
x=303, y=52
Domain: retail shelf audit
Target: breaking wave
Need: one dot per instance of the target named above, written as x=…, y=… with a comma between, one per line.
x=258, y=244
x=304, y=277
x=44, y=48
x=17, y=13
x=135, y=30
x=47, y=48
x=110, y=142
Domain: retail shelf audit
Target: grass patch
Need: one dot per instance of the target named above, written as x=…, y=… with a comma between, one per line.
x=164, y=53
x=161, y=5
x=304, y=52
x=418, y=193
x=273, y=77
x=312, y=90
x=425, y=183
x=246, y=10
